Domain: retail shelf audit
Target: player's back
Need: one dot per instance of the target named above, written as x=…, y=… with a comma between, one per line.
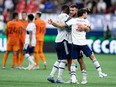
x=40, y=29
x=62, y=33
x=13, y=31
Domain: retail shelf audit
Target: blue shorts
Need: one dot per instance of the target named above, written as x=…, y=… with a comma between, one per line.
x=76, y=51
x=70, y=51
x=29, y=50
x=68, y=56
x=62, y=50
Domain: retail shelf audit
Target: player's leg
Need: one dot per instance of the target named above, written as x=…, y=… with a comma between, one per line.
x=22, y=52
x=74, y=56
x=36, y=55
x=97, y=66
x=41, y=54
x=14, y=60
x=5, y=59
x=29, y=56
x=53, y=71
x=9, y=48
x=83, y=70
x=87, y=51
x=63, y=51
x=15, y=55
x=21, y=55
x=56, y=64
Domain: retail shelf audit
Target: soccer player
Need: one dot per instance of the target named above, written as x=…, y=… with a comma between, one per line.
x=13, y=31
x=79, y=28
x=74, y=14
x=24, y=24
x=30, y=42
x=61, y=48
x=40, y=32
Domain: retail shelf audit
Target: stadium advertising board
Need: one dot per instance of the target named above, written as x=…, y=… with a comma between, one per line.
x=98, y=46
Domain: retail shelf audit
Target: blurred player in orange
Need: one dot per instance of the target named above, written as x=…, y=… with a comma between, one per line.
x=24, y=24
x=40, y=32
x=13, y=31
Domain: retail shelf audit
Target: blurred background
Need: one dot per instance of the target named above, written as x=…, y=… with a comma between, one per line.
x=102, y=38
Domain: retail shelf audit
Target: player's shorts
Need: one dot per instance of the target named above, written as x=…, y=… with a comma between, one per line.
x=62, y=50
x=68, y=56
x=69, y=49
x=28, y=49
x=76, y=51
x=12, y=47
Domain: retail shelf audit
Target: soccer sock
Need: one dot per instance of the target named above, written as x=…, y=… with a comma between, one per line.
x=36, y=56
x=17, y=60
x=5, y=59
x=73, y=69
x=55, y=68
x=84, y=74
x=61, y=68
x=45, y=63
x=14, y=60
x=42, y=57
x=21, y=58
x=30, y=58
x=97, y=65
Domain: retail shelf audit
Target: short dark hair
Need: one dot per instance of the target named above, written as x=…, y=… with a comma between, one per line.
x=73, y=6
x=30, y=17
x=65, y=8
x=15, y=14
x=82, y=11
x=39, y=14
x=24, y=12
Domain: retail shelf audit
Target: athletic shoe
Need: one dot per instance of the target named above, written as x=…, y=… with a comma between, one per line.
x=69, y=81
x=84, y=81
x=44, y=67
x=27, y=67
x=31, y=66
x=101, y=74
x=59, y=81
x=3, y=67
x=51, y=79
x=74, y=80
x=21, y=67
x=36, y=68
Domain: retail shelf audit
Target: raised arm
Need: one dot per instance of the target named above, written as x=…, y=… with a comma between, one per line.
x=57, y=24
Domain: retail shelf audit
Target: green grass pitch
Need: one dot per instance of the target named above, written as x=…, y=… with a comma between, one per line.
x=38, y=78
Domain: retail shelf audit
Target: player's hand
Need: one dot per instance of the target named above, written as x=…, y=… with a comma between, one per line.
x=80, y=27
x=50, y=21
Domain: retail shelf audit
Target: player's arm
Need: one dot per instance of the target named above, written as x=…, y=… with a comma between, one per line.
x=83, y=27
x=57, y=24
x=87, y=29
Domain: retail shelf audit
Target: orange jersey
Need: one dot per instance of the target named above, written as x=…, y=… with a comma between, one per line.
x=24, y=25
x=13, y=32
x=40, y=29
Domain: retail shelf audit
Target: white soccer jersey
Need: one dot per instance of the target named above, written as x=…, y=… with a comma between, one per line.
x=78, y=38
x=62, y=33
x=69, y=37
x=31, y=27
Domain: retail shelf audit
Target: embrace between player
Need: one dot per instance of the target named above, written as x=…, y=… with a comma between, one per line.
x=79, y=26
